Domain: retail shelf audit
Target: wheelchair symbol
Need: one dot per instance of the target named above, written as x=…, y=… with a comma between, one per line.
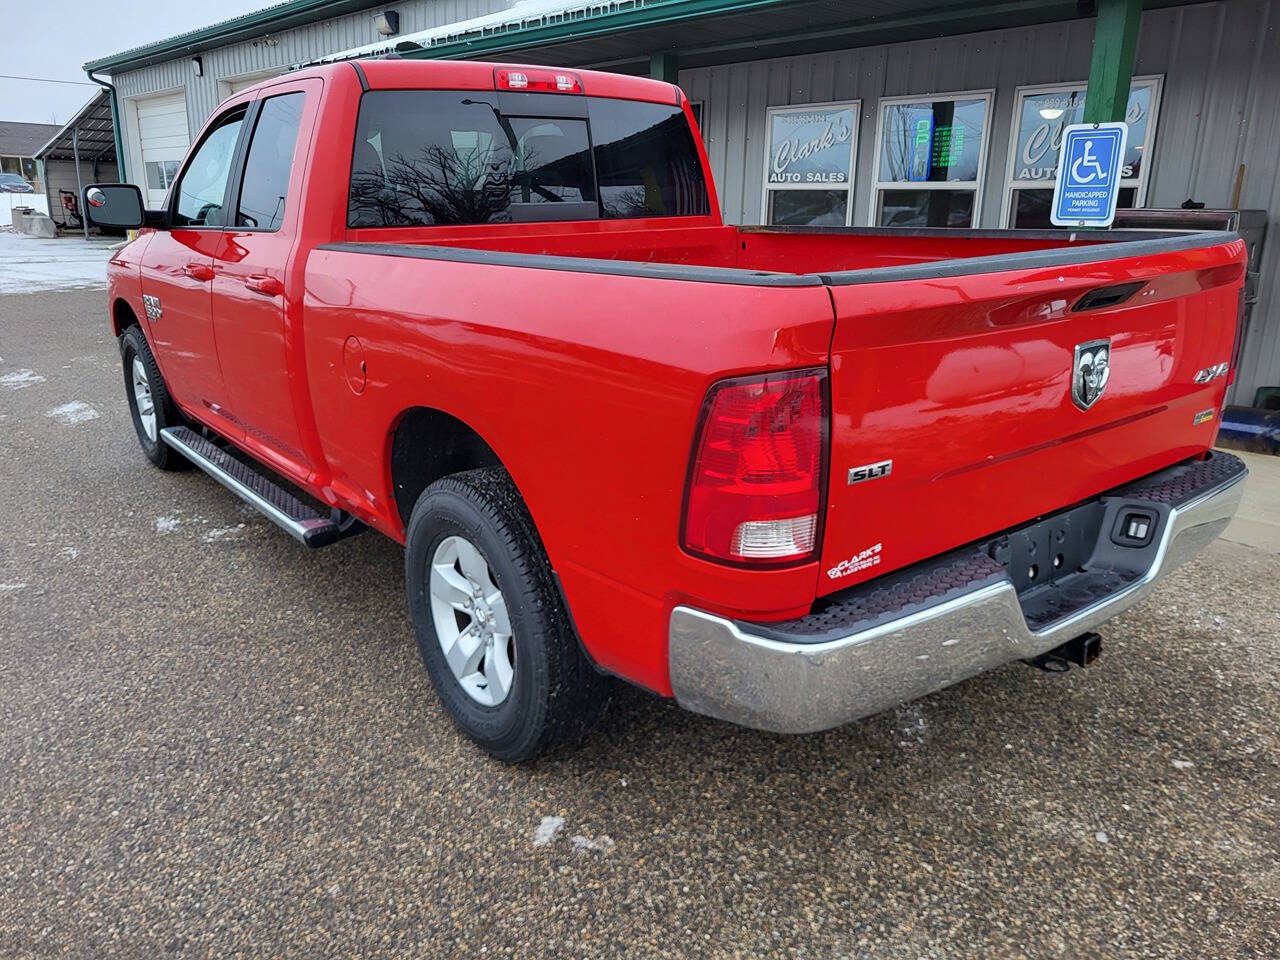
x=1088, y=161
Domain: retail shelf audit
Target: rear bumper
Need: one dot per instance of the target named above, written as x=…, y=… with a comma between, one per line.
x=907, y=635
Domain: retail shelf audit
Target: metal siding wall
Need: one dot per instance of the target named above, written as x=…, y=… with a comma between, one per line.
x=289, y=47
x=1218, y=109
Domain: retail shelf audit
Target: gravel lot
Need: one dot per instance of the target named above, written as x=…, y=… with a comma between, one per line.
x=215, y=744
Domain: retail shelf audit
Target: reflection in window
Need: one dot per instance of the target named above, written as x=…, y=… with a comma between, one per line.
x=204, y=183
x=646, y=160
x=808, y=208
x=269, y=162
x=930, y=166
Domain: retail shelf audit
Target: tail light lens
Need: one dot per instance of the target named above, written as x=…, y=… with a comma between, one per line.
x=759, y=470
x=1238, y=343
x=530, y=80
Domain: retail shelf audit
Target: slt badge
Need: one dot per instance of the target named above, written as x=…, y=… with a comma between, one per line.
x=1090, y=372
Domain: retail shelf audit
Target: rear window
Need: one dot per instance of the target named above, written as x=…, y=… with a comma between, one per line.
x=425, y=158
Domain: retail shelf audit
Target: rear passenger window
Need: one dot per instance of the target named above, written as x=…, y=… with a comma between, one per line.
x=428, y=157
x=270, y=159
x=646, y=161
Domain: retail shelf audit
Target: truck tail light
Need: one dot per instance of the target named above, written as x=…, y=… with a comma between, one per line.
x=1238, y=344
x=759, y=469
x=529, y=80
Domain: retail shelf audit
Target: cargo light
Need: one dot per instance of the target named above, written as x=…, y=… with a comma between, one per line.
x=536, y=81
x=754, y=494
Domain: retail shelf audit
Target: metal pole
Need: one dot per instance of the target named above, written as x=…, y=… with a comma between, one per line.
x=1115, y=45
x=75, y=150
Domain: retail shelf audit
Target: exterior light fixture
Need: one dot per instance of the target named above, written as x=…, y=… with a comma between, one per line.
x=197, y=66
x=387, y=23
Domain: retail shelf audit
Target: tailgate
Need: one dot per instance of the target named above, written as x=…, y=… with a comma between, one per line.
x=964, y=380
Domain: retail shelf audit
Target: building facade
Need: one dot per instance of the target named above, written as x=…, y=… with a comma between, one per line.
x=909, y=117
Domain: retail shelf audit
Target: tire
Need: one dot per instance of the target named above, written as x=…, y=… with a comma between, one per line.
x=553, y=693
x=135, y=353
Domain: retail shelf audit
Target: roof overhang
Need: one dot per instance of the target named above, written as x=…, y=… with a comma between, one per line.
x=624, y=34
x=96, y=140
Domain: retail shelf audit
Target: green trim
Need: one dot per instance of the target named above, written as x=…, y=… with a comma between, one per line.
x=281, y=16
x=1115, y=46
x=656, y=13
x=665, y=67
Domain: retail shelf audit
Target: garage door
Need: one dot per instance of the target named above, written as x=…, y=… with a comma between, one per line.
x=162, y=131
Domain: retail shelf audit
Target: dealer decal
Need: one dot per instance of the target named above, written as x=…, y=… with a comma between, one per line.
x=869, y=557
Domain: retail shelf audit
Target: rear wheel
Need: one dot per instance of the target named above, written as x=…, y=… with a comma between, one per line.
x=150, y=405
x=491, y=626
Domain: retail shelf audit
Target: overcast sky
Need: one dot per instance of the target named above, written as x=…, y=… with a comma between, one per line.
x=66, y=33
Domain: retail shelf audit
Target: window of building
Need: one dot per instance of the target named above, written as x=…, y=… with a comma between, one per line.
x=809, y=164
x=424, y=158
x=931, y=156
x=1039, y=116
x=270, y=159
x=161, y=173
x=202, y=187
x=26, y=169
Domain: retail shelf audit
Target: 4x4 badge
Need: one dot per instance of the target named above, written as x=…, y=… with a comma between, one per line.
x=1090, y=372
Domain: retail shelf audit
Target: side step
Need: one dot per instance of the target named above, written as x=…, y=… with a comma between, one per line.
x=304, y=523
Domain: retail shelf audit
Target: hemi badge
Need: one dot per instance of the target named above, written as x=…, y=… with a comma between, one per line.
x=870, y=471
x=1204, y=416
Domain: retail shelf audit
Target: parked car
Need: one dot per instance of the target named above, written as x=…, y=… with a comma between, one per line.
x=789, y=476
x=12, y=183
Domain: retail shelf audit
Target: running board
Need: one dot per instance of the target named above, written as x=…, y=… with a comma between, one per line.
x=305, y=524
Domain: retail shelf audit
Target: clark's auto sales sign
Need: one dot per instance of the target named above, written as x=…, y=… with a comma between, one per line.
x=811, y=147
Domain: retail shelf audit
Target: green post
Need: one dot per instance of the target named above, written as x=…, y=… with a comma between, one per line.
x=1115, y=45
x=115, y=127
x=665, y=66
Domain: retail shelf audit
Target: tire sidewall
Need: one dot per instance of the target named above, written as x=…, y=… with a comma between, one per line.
x=129, y=349
x=505, y=727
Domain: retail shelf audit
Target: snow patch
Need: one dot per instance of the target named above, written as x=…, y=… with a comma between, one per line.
x=20, y=379
x=583, y=844
x=1101, y=836
x=77, y=411
x=223, y=533
x=167, y=524
x=1182, y=764
x=31, y=264
x=547, y=830
x=68, y=553
x=12, y=587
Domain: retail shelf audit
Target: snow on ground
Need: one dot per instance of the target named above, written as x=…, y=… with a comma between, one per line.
x=31, y=265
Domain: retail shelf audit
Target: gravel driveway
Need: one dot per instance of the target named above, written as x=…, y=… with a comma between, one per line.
x=215, y=744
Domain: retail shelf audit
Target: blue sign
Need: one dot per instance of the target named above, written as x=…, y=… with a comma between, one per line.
x=1089, y=174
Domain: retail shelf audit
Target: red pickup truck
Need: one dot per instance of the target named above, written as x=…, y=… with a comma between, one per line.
x=789, y=476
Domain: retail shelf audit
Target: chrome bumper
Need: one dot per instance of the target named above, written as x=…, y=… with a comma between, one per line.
x=728, y=670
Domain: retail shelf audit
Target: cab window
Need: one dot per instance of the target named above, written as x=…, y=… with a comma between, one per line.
x=270, y=159
x=203, y=185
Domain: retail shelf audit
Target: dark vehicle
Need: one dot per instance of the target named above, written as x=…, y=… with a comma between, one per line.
x=12, y=183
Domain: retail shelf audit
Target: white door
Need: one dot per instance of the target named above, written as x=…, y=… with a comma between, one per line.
x=162, y=131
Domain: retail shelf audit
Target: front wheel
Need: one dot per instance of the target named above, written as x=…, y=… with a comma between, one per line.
x=491, y=626
x=150, y=405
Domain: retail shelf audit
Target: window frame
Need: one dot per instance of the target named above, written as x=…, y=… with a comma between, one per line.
x=230, y=190
x=856, y=106
x=1156, y=82
x=987, y=94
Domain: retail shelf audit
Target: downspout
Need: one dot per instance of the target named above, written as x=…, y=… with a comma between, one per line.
x=115, y=125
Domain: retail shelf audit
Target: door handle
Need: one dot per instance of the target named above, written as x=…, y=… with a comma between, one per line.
x=265, y=285
x=198, y=271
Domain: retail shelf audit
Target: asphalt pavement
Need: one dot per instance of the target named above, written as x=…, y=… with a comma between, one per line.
x=216, y=744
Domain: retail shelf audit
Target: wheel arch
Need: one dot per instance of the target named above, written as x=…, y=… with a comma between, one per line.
x=123, y=316
x=426, y=444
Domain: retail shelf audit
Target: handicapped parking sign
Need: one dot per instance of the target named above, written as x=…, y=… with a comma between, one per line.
x=1089, y=174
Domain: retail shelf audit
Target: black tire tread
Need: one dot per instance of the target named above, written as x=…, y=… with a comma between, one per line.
x=167, y=415
x=577, y=694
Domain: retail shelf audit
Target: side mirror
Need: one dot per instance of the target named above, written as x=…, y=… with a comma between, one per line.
x=116, y=206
